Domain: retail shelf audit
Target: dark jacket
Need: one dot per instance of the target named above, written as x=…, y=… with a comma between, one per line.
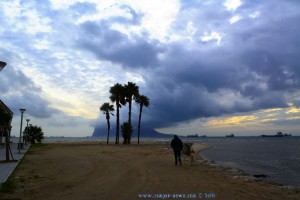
x=176, y=144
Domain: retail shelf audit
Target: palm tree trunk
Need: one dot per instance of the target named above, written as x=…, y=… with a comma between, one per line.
x=129, y=117
x=118, y=122
x=108, y=127
x=129, y=112
x=139, y=127
x=108, y=134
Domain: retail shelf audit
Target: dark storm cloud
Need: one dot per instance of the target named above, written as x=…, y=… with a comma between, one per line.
x=18, y=91
x=256, y=62
x=297, y=103
x=272, y=53
x=183, y=103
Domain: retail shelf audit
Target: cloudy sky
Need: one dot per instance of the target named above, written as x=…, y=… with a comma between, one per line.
x=208, y=66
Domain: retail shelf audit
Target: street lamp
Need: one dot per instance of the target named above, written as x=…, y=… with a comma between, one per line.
x=22, y=110
x=27, y=132
x=2, y=65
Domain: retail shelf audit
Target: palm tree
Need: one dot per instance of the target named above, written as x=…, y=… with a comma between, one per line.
x=107, y=110
x=5, y=120
x=131, y=90
x=143, y=101
x=36, y=134
x=117, y=95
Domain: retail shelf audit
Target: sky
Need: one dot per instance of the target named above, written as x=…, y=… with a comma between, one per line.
x=210, y=67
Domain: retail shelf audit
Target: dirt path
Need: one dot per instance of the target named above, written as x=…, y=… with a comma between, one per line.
x=93, y=171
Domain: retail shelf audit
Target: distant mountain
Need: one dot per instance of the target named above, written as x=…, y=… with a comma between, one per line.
x=145, y=132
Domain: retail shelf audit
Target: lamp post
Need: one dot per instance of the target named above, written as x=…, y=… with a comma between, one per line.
x=2, y=65
x=22, y=110
x=27, y=132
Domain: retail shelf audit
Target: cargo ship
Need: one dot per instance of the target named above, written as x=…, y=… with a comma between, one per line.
x=278, y=134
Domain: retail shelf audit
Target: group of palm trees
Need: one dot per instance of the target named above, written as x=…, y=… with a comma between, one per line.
x=120, y=95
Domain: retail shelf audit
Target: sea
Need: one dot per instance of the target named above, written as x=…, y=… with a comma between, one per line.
x=278, y=158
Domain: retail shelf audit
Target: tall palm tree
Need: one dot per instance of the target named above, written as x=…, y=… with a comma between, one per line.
x=143, y=101
x=107, y=109
x=117, y=96
x=131, y=91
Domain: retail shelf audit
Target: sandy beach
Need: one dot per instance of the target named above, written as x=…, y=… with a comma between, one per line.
x=90, y=170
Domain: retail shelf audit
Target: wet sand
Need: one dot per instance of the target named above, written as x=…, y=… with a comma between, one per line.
x=98, y=171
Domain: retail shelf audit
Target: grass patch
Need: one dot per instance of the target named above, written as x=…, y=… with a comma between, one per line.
x=8, y=186
x=37, y=147
x=11, y=184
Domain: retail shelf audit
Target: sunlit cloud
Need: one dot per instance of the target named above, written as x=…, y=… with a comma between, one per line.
x=232, y=121
x=254, y=14
x=212, y=36
x=273, y=110
x=232, y=5
x=293, y=118
x=235, y=19
x=268, y=119
x=293, y=110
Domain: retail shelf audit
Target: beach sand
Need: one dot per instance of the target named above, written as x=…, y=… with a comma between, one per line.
x=99, y=171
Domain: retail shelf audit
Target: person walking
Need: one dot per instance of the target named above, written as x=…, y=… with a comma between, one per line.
x=177, y=146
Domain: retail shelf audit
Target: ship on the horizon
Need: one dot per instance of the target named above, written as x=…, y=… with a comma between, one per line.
x=196, y=135
x=278, y=134
x=231, y=135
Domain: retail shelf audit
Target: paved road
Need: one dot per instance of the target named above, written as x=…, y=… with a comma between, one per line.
x=7, y=168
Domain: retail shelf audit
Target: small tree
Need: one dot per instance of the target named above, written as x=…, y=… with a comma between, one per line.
x=127, y=132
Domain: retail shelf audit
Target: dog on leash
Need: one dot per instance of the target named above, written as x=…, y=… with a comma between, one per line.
x=192, y=156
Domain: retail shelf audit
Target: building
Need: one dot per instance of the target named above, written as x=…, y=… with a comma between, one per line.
x=4, y=109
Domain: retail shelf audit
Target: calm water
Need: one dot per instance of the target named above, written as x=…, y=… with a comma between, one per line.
x=278, y=158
